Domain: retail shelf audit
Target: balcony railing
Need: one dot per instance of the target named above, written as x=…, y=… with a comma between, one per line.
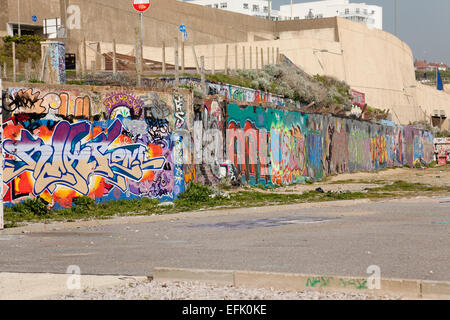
x=352, y=13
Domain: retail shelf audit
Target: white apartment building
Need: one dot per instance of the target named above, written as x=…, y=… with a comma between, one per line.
x=370, y=15
x=258, y=8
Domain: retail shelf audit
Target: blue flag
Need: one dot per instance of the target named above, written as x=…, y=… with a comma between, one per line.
x=440, y=85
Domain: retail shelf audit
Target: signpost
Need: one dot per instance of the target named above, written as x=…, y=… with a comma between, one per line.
x=183, y=30
x=141, y=6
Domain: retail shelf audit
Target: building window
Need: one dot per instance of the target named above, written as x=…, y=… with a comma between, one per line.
x=216, y=5
x=357, y=10
x=223, y=5
x=246, y=6
x=347, y=11
x=266, y=9
x=255, y=8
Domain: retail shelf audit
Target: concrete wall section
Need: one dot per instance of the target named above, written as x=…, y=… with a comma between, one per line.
x=429, y=99
x=308, y=24
x=161, y=21
x=42, y=9
x=4, y=17
x=304, y=52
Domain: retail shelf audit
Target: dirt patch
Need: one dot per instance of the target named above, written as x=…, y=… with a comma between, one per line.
x=436, y=177
x=363, y=181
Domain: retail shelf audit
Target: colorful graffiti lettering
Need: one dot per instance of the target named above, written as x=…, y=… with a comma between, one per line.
x=130, y=148
x=23, y=101
x=123, y=104
x=69, y=162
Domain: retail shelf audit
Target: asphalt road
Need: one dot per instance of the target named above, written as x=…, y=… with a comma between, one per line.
x=405, y=238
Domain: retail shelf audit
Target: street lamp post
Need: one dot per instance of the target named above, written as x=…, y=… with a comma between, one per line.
x=18, y=18
x=292, y=10
x=396, y=17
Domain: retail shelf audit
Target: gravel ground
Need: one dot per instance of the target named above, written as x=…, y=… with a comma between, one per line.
x=155, y=290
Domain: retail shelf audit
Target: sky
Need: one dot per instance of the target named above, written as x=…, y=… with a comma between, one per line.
x=423, y=24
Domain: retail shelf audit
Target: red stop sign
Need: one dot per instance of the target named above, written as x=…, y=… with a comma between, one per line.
x=141, y=5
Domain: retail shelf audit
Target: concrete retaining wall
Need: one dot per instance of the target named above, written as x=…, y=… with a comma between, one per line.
x=409, y=289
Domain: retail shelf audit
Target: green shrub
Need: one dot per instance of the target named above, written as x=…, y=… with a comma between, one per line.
x=432, y=164
x=84, y=202
x=36, y=81
x=196, y=193
x=75, y=82
x=27, y=46
x=32, y=206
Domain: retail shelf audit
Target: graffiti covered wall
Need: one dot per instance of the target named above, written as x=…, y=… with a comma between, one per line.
x=113, y=143
x=107, y=145
x=271, y=146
